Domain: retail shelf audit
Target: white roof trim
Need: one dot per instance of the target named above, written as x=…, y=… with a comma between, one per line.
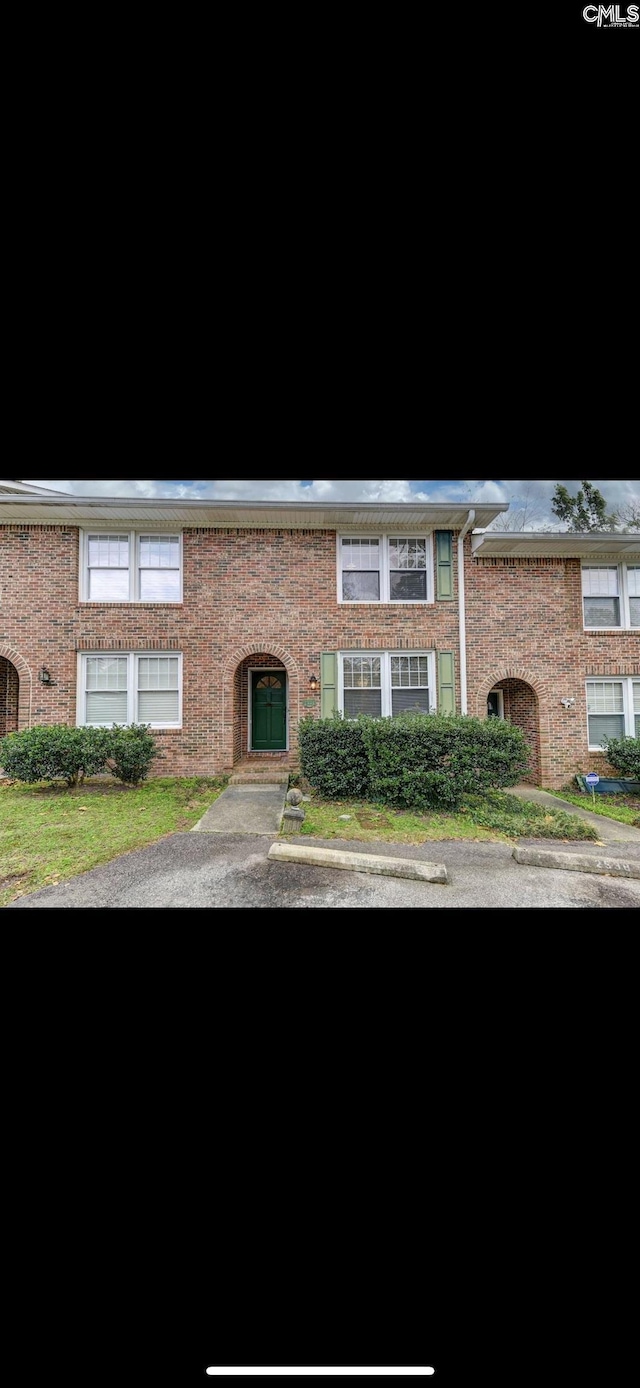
x=29, y=489
x=345, y=516
x=522, y=544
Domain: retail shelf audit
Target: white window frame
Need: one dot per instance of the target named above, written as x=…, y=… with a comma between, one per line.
x=623, y=596
x=385, y=677
x=132, y=684
x=133, y=537
x=627, y=682
x=385, y=583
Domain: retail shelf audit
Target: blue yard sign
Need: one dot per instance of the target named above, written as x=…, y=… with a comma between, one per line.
x=592, y=779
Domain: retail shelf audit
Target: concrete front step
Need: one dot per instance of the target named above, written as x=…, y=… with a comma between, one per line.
x=259, y=778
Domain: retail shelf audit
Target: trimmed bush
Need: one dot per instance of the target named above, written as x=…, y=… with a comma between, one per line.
x=131, y=751
x=429, y=761
x=52, y=753
x=422, y=761
x=623, y=753
x=333, y=756
x=58, y=752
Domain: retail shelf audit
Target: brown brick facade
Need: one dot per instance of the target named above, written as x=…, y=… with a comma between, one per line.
x=525, y=624
x=268, y=598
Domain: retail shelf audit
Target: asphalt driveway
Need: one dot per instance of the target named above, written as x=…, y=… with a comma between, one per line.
x=229, y=870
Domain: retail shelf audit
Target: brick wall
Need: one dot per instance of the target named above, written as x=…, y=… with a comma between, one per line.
x=270, y=595
x=246, y=594
x=524, y=622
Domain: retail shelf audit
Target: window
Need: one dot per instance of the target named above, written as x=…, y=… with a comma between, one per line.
x=133, y=688
x=633, y=584
x=361, y=684
x=407, y=570
x=409, y=683
x=611, y=595
x=385, y=568
x=130, y=567
x=386, y=683
x=159, y=568
x=613, y=710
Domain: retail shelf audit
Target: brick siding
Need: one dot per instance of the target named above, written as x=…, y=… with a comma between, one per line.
x=268, y=597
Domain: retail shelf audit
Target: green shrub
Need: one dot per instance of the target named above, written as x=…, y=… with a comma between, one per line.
x=58, y=752
x=430, y=761
x=131, y=751
x=52, y=753
x=422, y=761
x=333, y=756
x=623, y=753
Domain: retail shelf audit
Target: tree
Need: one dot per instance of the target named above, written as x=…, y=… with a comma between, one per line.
x=528, y=515
x=584, y=512
x=629, y=516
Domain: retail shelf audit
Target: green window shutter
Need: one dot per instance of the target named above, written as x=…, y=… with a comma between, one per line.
x=446, y=683
x=328, y=683
x=444, y=563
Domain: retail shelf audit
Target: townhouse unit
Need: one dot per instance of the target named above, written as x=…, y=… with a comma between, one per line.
x=222, y=624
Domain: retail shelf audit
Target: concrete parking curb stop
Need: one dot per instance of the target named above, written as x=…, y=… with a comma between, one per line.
x=576, y=862
x=358, y=862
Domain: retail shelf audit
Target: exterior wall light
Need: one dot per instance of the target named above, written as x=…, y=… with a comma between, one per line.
x=45, y=676
x=313, y=683
x=568, y=703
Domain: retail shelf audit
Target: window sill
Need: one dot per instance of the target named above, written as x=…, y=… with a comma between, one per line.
x=398, y=602
x=115, y=602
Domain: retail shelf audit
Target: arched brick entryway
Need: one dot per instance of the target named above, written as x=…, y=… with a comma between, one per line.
x=264, y=654
x=526, y=704
x=16, y=687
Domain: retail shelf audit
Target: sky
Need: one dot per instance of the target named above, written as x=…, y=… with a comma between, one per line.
x=532, y=496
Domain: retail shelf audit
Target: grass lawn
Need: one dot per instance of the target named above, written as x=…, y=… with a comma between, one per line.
x=494, y=818
x=625, y=808
x=49, y=833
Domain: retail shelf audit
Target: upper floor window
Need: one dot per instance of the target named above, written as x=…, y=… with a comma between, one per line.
x=611, y=595
x=130, y=567
x=385, y=568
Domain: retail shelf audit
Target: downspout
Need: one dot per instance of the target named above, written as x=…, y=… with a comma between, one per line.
x=461, y=614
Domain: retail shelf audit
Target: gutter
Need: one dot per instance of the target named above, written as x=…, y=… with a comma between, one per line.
x=461, y=611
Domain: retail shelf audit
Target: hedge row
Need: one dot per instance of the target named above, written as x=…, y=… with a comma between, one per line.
x=59, y=752
x=423, y=761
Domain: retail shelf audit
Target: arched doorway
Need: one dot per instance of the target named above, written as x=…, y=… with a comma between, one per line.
x=261, y=705
x=517, y=695
x=260, y=702
x=517, y=702
x=9, y=697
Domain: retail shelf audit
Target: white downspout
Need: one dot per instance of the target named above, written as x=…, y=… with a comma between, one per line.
x=463, y=630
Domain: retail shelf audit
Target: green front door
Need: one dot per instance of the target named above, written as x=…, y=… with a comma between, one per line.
x=268, y=711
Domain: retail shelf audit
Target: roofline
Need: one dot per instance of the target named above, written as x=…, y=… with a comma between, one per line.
x=434, y=507
x=577, y=541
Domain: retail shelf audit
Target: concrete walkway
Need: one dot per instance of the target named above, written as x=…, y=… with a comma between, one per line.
x=609, y=830
x=245, y=809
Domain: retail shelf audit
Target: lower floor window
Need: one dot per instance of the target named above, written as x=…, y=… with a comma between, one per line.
x=133, y=688
x=387, y=683
x=613, y=710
